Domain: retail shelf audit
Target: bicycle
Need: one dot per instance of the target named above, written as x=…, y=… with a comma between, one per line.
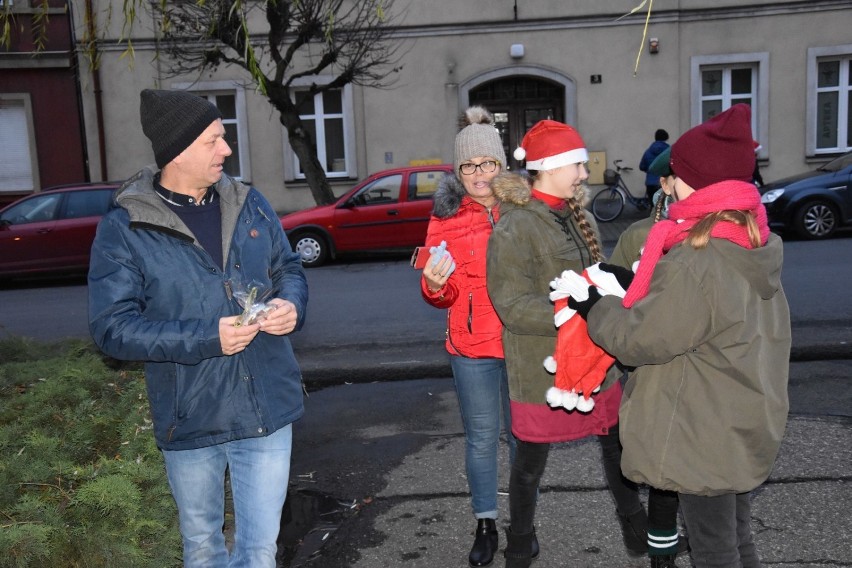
x=608, y=203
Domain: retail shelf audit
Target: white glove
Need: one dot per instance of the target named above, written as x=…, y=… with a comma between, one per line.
x=569, y=283
x=606, y=282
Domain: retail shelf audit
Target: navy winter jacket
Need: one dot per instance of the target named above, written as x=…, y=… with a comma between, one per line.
x=155, y=295
x=654, y=150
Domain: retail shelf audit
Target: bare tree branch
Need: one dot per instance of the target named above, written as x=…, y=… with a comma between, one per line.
x=349, y=40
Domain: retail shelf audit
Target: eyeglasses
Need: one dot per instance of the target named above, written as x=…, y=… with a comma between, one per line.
x=485, y=167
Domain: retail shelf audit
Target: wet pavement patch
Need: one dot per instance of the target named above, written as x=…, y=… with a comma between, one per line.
x=309, y=519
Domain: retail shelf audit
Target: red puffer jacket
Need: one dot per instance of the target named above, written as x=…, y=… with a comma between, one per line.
x=473, y=327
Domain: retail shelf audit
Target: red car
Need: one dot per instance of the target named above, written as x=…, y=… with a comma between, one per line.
x=52, y=231
x=389, y=210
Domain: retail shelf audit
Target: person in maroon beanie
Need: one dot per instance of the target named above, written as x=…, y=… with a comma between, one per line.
x=706, y=324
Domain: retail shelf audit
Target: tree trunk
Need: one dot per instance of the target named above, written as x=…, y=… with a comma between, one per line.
x=303, y=146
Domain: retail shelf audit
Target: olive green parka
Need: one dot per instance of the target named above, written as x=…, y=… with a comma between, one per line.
x=530, y=246
x=705, y=410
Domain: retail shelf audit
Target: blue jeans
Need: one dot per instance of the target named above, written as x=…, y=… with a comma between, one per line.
x=482, y=386
x=259, y=471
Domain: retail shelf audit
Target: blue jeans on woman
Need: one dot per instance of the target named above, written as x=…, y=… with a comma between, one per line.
x=482, y=386
x=259, y=472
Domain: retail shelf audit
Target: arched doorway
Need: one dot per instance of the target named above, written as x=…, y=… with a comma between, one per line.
x=518, y=102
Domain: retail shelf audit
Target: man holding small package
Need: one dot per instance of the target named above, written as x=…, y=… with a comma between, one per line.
x=224, y=389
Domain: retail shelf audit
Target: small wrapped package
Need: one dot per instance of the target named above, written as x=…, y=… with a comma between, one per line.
x=252, y=297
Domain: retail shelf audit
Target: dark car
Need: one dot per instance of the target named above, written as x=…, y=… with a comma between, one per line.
x=389, y=210
x=813, y=204
x=51, y=232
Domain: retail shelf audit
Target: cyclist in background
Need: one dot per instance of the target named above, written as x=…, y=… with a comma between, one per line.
x=652, y=181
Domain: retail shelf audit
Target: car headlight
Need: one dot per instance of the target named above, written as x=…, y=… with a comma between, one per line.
x=771, y=195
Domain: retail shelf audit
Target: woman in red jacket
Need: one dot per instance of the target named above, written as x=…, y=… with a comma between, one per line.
x=464, y=214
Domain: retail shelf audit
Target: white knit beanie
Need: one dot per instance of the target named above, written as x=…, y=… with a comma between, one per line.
x=478, y=137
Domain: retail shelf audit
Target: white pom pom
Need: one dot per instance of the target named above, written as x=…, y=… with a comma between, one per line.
x=585, y=404
x=554, y=397
x=550, y=365
x=569, y=400
x=519, y=153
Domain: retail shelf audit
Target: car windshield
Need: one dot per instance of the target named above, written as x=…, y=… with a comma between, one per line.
x=838, y=164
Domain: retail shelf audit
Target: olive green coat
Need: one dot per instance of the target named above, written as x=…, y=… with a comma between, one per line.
x=629, y=246
x=527, y=250
x=705, y=410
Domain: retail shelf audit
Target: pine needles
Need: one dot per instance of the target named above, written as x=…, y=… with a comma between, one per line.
x=81, y=480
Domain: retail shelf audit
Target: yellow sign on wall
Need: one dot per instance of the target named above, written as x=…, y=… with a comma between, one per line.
x=425, y=162
x=597, y=165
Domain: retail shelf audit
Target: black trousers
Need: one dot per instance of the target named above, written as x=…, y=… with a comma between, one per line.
x=662, y=510
x=720, y=530
x=528, y=468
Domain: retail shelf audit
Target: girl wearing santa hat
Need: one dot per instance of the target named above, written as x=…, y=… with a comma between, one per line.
x=543, y=231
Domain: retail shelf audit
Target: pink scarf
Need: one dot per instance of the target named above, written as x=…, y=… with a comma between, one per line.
x=683, y=215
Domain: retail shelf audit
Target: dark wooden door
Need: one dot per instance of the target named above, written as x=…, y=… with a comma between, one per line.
x=517, y=104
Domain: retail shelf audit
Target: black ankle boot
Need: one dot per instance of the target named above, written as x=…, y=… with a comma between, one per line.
x=634, y=530
x=519, y=549
x=534, y=548
x=664, y=561
x=485, y=544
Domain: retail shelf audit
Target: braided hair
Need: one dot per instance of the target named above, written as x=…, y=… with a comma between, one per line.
x=579, y=213
x=660, y=207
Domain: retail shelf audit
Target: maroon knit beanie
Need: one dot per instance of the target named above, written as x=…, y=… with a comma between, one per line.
x=720, y=149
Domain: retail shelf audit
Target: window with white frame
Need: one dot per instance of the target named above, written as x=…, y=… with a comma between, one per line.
x=724, y=86
x=721, y=81
x=18, y=163
x=327, y=116
x=229, y=98
x=829, y=121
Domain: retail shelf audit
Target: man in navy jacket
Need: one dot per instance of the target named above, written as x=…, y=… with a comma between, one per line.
x=223, y=391
x=652, y=181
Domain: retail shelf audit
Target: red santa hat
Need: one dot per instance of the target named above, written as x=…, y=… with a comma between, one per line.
x=549, y=145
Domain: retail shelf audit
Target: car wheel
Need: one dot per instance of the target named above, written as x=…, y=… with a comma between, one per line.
x=312, y=249
x=816, y=220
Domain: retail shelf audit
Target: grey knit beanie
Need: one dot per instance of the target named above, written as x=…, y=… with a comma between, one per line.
x=172, y=120
x=478, y=137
